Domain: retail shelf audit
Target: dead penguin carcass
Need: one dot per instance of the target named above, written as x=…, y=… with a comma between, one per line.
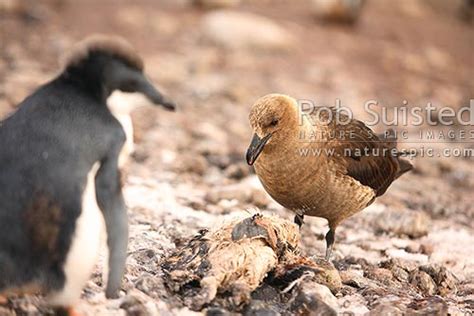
x=228, y=265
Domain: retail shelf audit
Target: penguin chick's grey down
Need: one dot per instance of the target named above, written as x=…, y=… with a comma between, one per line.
x=59, y=177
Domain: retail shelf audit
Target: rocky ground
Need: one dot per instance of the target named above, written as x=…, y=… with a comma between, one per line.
x=410, y=252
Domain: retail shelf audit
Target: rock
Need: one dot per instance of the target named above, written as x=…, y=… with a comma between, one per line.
x=346, y=11
x=381, y=275
x=426, y=248
x=352, y=278
x=404, y=255
x=212, y=4
x=243, y=192
x=10, y=6
x=314, y=299
x=446, y=282
x=423, y=281
x=22, y=82
x=466, y=11
x=386, y=309
x=217, y=311
x=414, y=224
x=6, y=312
x=438, y=58
x=196, y=164
x=17, y=7
x=137, y=303
x=298, y=269
x=229, y=192
x=423, y=248
x=237, y=30
x=322, y=293
x=237, y=171
x=259, y=198
x=433, y=305
x=400, y=274
x=400, y=268
x=260, y=308
x=149, y=284
x=5, y=109
x=353, y=305
x=28, y=305
x=220, y=161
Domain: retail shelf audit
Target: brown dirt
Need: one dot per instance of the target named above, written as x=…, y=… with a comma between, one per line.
x=188, y=172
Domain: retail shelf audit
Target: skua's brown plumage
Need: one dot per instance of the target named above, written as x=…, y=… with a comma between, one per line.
x=318, y=166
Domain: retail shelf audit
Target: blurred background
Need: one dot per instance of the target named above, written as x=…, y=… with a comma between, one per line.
x=215, y=58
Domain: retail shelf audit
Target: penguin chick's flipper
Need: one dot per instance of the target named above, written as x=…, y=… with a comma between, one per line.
x=112, y=205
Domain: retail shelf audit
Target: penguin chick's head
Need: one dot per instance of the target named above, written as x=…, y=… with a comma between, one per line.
x=101, y=64
x=274, y=118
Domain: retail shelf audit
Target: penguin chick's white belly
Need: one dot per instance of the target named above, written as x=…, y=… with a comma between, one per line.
x=129, y=146
x=121, y=105
x=85, y=246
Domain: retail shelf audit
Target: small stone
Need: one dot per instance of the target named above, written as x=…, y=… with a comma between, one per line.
x=220, y=161
x=400, y=268
x=423, y=281
x=238, y=30
x=193, y=164
x=414, y=224
x=426, y=249
x=260, y=308
x=259, y=198
x=217, y=311
x=413, y=248
x=324, y=294
x=354, y=304
x=6, y=312
x=136, y=303
x=433, y=305
x=149, y=285
x=404, y=255
x=316, y=269
x=230, y=192
x=314, y=299
x=213, y=4
x=237, y=171
x=400, y=274
x=466, y=11
x=446, y=282
x=5, y=108
x=352, y=278
x=346, y=11
x=382, y=275
x=10, y=6
x=386, y=309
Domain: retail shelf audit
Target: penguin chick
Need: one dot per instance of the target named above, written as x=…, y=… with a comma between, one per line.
x=59, y=177
x=333, y=172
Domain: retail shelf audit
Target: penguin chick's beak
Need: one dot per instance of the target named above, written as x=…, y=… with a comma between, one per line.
x=256, y=147
x=127, y=79
x=154, y=95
